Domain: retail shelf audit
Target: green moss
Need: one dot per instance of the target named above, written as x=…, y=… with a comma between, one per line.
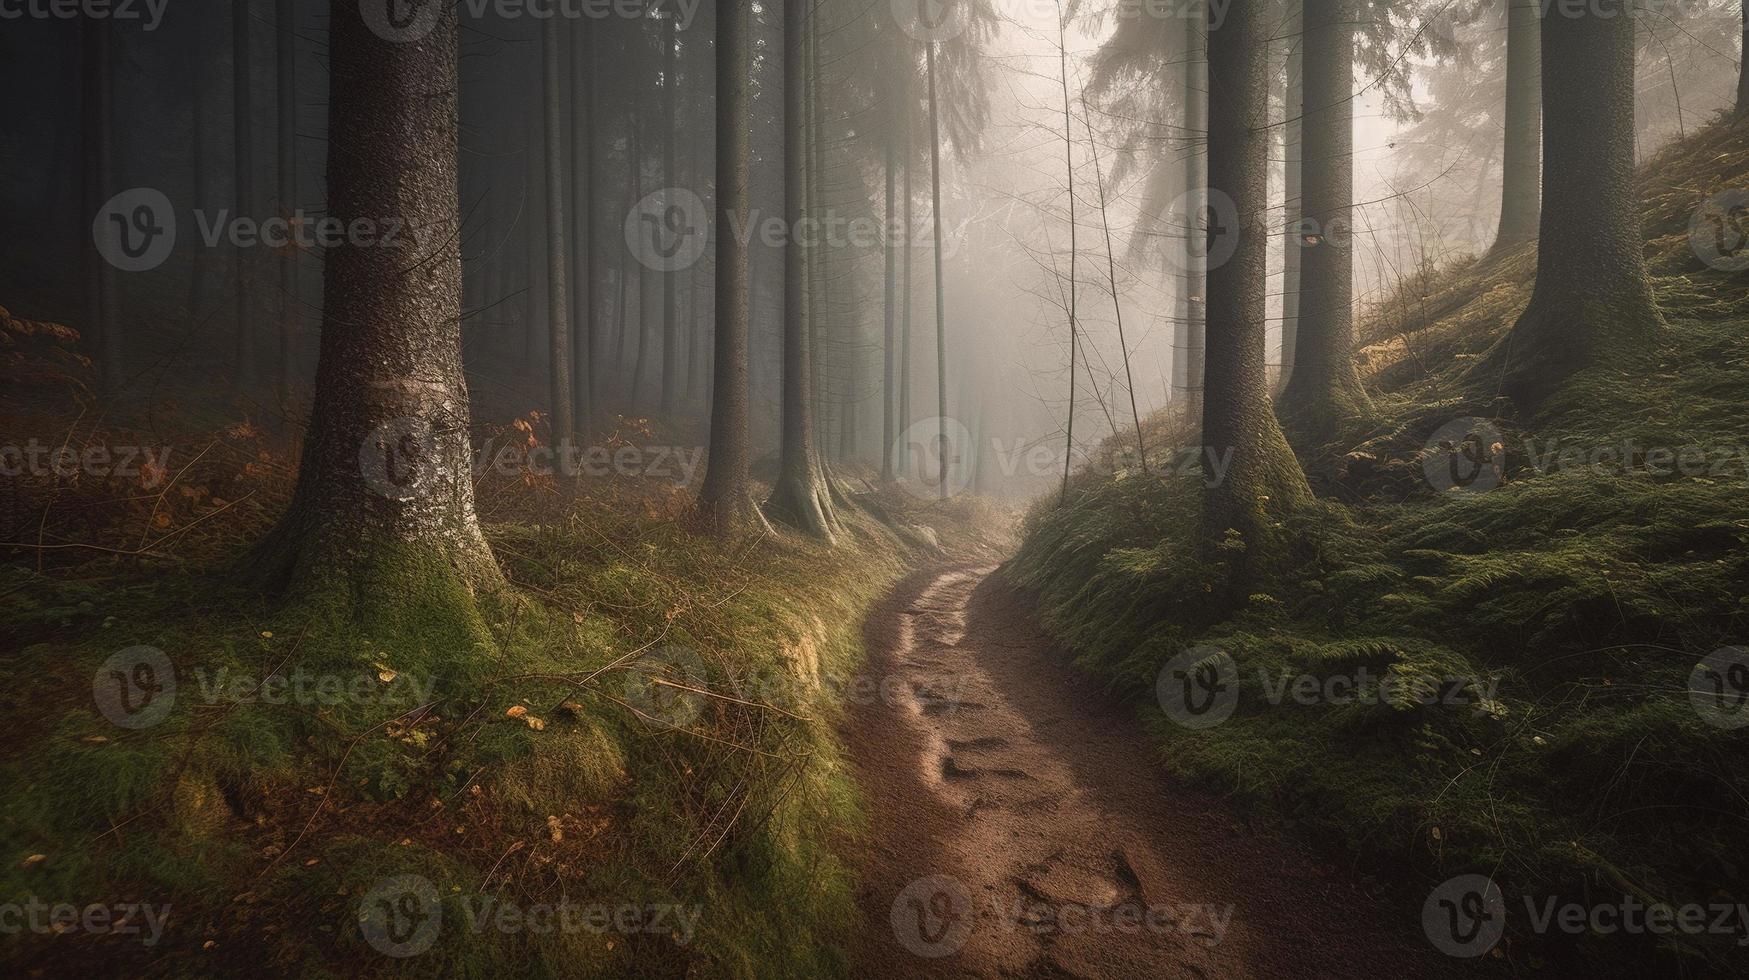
x=483, y=742
x=1587, y=594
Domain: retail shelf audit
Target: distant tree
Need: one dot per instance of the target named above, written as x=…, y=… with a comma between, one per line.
x=725, y=501
x=383, y=511
x=1593, y=301
x=1262, y=480
x=558, y=262
x=1324, y=388
x=97, y=171
x=1521, y=169
x=286, y=62
x=243, y=161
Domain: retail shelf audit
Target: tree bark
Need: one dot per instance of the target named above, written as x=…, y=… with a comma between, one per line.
x=583, y=259
x=1593, y=302
x=1293, y=193
x=947, y=451
x=96, y=104
x=1521, y=162
x=243, y=146
x=1743, y=68
x=1194, y=316
x=670, y=279
x=799, y=497
x=725, y=501
x=890, y=333
x=287, y=91
x=1325, y=391
x=382, y=518
x=1262, y=479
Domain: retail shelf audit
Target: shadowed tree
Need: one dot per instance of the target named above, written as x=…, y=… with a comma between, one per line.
x=800, y=496
x=97, y=171
x=383, y=512
x=286, y=50
x=1593, y=302
x=1263, y=480
x=1324, y=390
x=584, y=263
x=558, y=263
x=1293, y=249
x=725, y=501
x=1743, y=68
x=243, y=160
x=1521, y=167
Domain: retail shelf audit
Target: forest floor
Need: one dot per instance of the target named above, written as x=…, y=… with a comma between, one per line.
x=1022, y=825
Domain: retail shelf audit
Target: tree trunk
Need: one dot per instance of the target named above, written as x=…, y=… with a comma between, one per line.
x=1593, y=302
x=558, y=263
x=96, y=104
x=200, y=165
x=799, y=497
x=287, y=53
x=725, y=501
x=1325, y=391
x=670, y=278
x=1743, y=68
x=583, y=245
x=889, y=334
x=382, y=519
x=947, y=451
x=909, y=262
x=1262, y=479
x=1521, y=165
x=1196, y=126
x=1068, y=184
x=1293, y=145
x=243, y=146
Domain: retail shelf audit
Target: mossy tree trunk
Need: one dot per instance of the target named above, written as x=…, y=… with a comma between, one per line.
x=1593, y=302
x=725, y=501
x=1521, y=166
x=1324, y=389
x=383, y=513
x=800, y=496
x=1262, y=480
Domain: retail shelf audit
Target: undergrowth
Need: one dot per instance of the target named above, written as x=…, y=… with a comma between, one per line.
x=644, y=735
x=1575, y=598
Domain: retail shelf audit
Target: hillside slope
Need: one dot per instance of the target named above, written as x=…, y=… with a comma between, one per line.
x=1477, y=669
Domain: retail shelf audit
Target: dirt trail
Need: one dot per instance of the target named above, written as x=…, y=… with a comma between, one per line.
x=1020, y=826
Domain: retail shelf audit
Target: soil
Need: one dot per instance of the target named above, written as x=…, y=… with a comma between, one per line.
x=1021, y=825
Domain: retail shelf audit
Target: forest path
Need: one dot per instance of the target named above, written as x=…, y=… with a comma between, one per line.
x=1020, y=825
